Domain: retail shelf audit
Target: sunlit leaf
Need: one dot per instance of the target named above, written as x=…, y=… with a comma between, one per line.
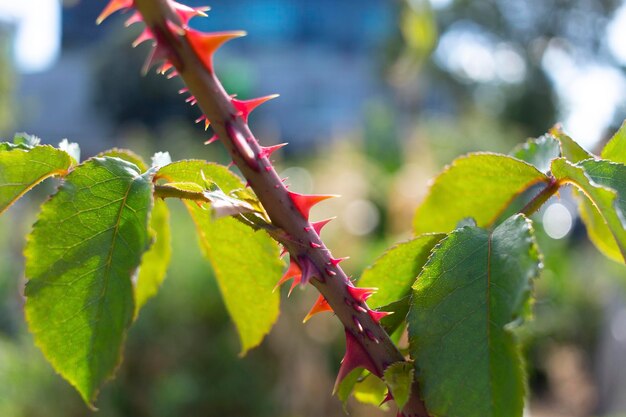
x=80, y=259
x=399, y=378
x=570, y=149
x=538, y=152
x=246, y=263
x=474, y=287
x=155, y=261
x=21, y=168
x=480, y=186
x=615, y=149
x=603, y=184
x=395, y=271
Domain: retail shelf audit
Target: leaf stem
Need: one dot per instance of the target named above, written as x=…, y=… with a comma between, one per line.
x=166, y=191
x=538, y=200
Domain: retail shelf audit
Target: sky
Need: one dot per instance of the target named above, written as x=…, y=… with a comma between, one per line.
x=37, y=43
x=589, y=93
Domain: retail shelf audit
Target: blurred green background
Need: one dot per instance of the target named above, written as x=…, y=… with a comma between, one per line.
x=377, y=96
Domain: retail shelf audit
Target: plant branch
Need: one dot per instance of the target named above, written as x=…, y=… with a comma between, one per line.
x=299, y=237
x=537, y=201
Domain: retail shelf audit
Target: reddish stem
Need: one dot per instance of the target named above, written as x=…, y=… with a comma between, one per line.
x=302, y=241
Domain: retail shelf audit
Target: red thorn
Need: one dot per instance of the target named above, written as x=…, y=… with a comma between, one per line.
x=212, y=139
x=268, y=168
x=157, y=54
x=357, y=323
x=201, y=118
x=183, y=91
x=309, y=270
x=242, y=146
x=335, y=262
x=317, y=226
x=315, y=245
x=112, y=7
x=190, y=98
x=355, y=357
x=230, y=165
x=135, y=18
x=294, y=272
x=304, y=202
x=245, y=107
x=165, y=67
x=320, y=306
x=330, y=272
x=172, y=75
x=205, y=44
x=361, y=294
x=187, y=13
x=378, y=315
x=266, y=151
x=144, y=36
x=358, y=308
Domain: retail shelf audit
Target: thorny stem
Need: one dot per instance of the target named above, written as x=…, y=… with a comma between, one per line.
x=302, y=240
x=537, y=201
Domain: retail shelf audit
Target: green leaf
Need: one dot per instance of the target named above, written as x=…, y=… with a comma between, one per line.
x=370, y=389
x=155, y=261
x=474, y=287
x=615, y=149
x=246, y=263
x=479, y=185
x=570, y=149
x=199, y=172
x=603, y=184
x=399, y=378
x=23, y=168
x=80, y=258
x=538, y=152
x=126, y=155
x=395, y=271
x=247, y=266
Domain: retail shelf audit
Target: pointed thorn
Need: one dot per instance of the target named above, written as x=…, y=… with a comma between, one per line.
x=232, y=164
x=320, y=306
x=157, y=54
x=335, y=262
x=358, y=308
x=112, y=7
x=317, y=226
x=201, y=118
x=304, y=202
x=315, y=245
x=355, y=357
x=183, y=91
x=357, y=323
x=144, y=36
x=189, y=99
x=205, y=44
x=187, y=13
x=135, y=18
x=361, y=294
x=172, y=75
x=266, y=151
x=378, y=315
x=268, y=168
x=309, y=270
x=212, y=139
x=292, y=272
x=245, y=107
